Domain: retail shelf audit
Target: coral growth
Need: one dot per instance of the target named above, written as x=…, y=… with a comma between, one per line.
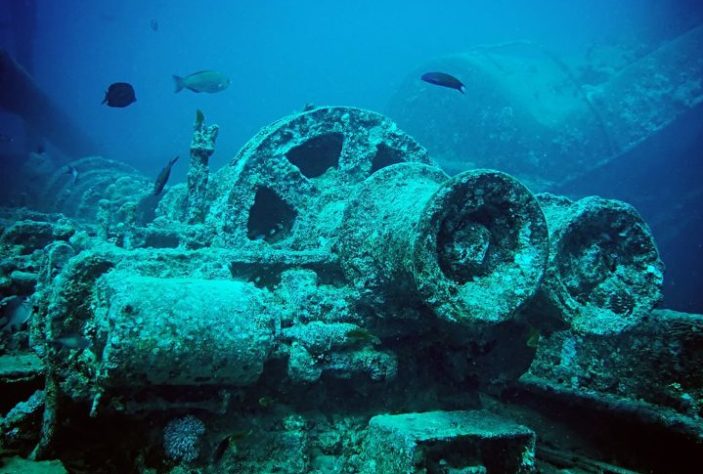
x=182, y=437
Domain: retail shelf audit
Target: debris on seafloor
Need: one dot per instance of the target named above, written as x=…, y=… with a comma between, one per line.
x=19, y=465
x=331, y=301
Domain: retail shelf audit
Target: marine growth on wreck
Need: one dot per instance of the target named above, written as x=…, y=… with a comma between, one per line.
x=337, y=298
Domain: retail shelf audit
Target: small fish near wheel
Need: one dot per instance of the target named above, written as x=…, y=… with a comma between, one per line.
x=163, y=176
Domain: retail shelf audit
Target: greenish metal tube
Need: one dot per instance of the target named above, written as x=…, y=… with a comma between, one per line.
x=179, y=331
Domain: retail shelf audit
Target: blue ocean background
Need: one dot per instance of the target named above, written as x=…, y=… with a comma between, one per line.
x=281, y=55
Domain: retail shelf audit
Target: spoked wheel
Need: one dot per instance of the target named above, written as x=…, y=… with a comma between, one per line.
x=288, y=185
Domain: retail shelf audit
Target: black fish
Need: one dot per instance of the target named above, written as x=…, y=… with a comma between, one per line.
x=220, y=449
x=443, y=79
x=119, y=94
x=163, y=177
x=154, y=25
x=223, y=445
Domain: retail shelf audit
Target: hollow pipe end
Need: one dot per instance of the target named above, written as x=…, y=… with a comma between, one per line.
x=482, y=248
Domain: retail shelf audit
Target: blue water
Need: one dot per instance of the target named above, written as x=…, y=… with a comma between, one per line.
x=281, y=55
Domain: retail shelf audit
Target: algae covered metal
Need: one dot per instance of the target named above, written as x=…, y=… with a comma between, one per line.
x=604, y=273
x=287, y=186
x=297, y=301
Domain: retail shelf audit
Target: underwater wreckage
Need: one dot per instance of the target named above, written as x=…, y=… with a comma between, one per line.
x=331, y=301
x=611, y=122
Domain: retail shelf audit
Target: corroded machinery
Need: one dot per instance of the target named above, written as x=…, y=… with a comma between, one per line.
x=472, y=248
x=326, y=196
x=604, y=273
x=328, y=238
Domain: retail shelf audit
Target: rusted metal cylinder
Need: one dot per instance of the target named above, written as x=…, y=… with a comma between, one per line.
x=604, y=271
x=179, y=331
x=473, y=248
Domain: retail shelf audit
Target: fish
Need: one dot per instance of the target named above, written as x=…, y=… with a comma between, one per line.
x=443, y=79
x=71, y=170
x=225, y=443
x=72, y=341
x=221, y=449
x=533, y=337
x=362, y=335
x=202, y=81
x=16, y=311
x=119, y=94
x=162, y=178
x=6, y=138
x=154, y=24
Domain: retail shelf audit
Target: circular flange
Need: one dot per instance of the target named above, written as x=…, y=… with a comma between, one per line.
x=482, y=247
x=605, y=272
x=473, y=248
